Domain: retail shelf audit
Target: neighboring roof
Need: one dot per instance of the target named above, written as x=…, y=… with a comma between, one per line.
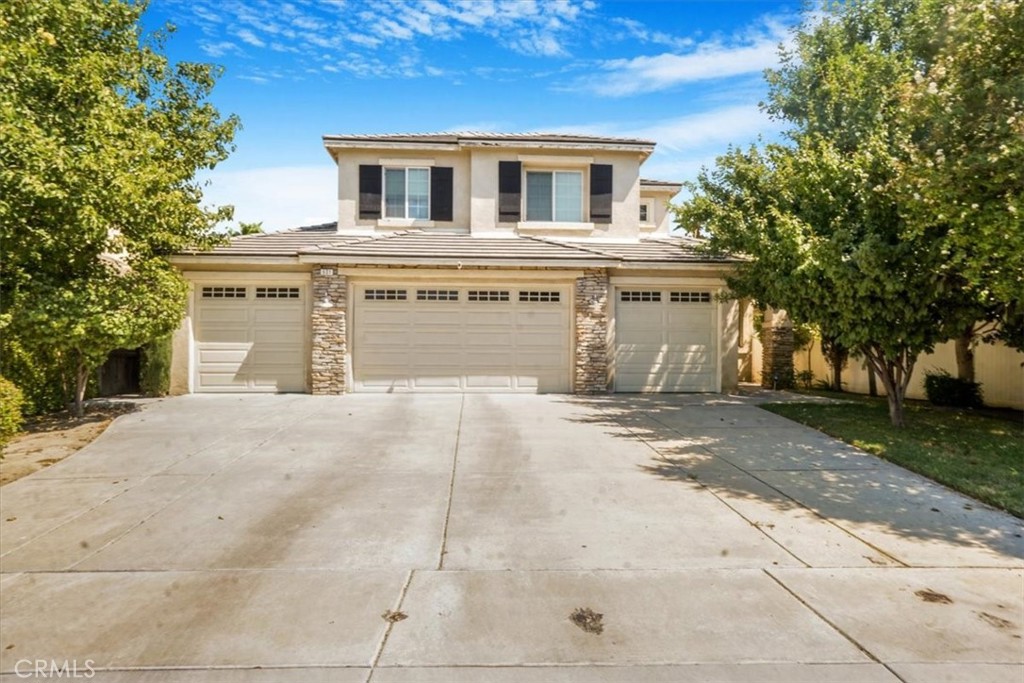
x=285, y=243
x=321, y=243
x=660, y=184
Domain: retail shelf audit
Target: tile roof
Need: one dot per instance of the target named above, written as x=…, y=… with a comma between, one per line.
x=431, y=247
x=659, y=183
x=655, y=250
x=477, y=136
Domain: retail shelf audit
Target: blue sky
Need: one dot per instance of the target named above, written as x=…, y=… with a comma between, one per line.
x=687, y=75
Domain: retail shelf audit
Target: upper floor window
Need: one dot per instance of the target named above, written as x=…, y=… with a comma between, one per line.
x=407, y=193
x=554, y=196
x=645, y=212
x=404, y=192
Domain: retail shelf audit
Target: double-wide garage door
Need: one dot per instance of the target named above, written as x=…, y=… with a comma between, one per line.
x=461, y=338
x=250, y=338
x=665, y=340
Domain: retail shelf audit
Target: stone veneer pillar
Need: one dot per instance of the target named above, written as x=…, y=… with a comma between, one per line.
x=329, y=348
x=591, y=333
x=777, y=350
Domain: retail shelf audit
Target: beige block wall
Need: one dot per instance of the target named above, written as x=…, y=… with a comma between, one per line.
x=997, y=367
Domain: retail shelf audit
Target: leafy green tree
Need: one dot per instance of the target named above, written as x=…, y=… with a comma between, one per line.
x=100, y=141
x=964, y=175
x=244, y=228
x=826, y=218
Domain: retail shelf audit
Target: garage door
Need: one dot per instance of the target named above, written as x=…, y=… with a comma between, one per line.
x=250, y=338
x=461, y=338
x=665, y=340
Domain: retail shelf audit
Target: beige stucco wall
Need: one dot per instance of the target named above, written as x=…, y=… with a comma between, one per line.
x=997, y=367
x=348, y=187
x=181, y=353
x=729, y=328
x=661, y=222
x=475, y=195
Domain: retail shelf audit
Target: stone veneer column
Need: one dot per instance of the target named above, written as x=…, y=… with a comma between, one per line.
x=329, y=328
x=591, y=332
x=777, y=350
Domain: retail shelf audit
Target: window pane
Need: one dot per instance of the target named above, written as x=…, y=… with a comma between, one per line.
x=419, y=193
x=569, y=196
x=394, y=193
x=538, y=196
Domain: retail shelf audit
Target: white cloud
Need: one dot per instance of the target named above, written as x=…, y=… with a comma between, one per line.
x=250, y=38
x=686, y=143
x=382, y=29
x=538, y=44
x=752, y=52
x=715, y=127
x=281, y=197
x=218, y=49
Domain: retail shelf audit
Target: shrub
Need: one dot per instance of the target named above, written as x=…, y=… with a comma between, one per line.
x=42, y=376
x=804, y=379
x=11, y=402
x=945, y=390
x=155, y=368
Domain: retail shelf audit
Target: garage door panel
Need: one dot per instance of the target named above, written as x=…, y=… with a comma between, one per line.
x=665, y=345
x=483, y=318
x=249, y=344
x=461, y=345
x=387, y=315
x=435, y=382
x=684, y=315
x=234, y=355
x=276, y=336
x=221, y=380
x=223, y=316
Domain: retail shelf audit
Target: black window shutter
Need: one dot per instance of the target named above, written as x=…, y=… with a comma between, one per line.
x=510, y=191
x=441, y=190
x=369, y=191
x=600, y=193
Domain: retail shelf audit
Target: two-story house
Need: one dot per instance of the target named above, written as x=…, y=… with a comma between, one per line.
x=466, y=262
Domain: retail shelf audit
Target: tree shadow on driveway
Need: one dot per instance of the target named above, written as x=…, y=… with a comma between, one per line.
x=779, y=474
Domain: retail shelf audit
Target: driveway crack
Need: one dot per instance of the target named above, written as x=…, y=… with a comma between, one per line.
x=451, y=489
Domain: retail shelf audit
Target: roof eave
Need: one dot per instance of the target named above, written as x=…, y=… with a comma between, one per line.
x=352, y=260
x=233, y=259
x=673, y=265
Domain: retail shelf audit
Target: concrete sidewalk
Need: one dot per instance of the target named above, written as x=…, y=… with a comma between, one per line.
x=263, y=538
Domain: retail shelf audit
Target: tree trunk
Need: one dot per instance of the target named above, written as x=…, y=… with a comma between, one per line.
x=872, y=380
x=81, y=382
x=965, y=355
x=895, y=375
x=837, y=358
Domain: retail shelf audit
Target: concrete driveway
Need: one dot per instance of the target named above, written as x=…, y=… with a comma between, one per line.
x=265, y=538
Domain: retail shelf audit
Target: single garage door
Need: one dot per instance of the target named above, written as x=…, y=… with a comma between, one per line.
x=250, y=338
x=665, y=340
x=461, y=338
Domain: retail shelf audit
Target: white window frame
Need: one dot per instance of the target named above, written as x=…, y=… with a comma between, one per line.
x=648, y=206
x=554, y=195
x=405, y=192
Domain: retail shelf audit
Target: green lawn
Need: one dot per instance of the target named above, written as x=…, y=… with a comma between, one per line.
x=981, y=455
